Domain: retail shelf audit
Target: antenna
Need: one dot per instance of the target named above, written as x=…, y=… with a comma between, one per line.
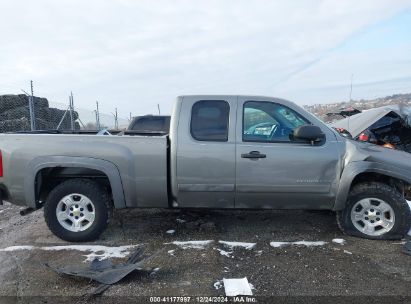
x=158, y=106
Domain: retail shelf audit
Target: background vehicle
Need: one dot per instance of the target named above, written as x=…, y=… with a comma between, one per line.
x=150, y=124
x=210, y=160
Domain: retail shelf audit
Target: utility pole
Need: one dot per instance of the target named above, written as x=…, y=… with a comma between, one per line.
x=31, y=108
x=97, y=117
x=71, y=106
x=351, y=88
x=130, y=116
x=115, y=119
x=158, y=106
x=348, y=120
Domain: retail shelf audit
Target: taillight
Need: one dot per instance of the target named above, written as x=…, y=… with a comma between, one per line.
x=1, y=165
x=363, y=137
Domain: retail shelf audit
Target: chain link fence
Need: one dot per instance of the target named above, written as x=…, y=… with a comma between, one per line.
x=15, y=116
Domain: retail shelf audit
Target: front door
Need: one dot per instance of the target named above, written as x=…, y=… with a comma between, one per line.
x=272, y=171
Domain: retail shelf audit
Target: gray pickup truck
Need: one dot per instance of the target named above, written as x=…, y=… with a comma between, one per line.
x=242, y=152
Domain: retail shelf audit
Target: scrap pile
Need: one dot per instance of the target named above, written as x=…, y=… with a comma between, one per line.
x=15, y=114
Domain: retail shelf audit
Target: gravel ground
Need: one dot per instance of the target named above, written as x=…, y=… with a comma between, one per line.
x=358, y=267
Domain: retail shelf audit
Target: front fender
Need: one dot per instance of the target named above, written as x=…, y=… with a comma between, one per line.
x=353, y=169
x=108, y=168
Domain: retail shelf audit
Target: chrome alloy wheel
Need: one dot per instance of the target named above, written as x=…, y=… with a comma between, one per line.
x=372, y=216
x=75, y=212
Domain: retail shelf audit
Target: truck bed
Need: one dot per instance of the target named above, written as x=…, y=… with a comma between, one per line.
x=141, y=162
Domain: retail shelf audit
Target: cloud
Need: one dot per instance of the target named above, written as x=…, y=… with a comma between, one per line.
x=135, y=54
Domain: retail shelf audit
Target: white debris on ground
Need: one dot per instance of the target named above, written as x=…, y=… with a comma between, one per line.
x=171, y=231
x=302, y=243
x=347, y=252
x=97, y=251
x=231, y=245
x=154, y=271
x=171, y=252
x=191, y=244
x=217, y=285
x=225, y=253
x=339, y=241
x=237, y=287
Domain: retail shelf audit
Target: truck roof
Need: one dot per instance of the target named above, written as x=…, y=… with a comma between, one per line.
x=228, y=95
x=251, y=97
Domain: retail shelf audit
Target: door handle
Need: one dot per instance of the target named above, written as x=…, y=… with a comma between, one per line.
x=253, y=154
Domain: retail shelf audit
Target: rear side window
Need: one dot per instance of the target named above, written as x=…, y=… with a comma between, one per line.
x=209, y=120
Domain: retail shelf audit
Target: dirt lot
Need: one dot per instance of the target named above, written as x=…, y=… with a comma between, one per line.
x=371, y=269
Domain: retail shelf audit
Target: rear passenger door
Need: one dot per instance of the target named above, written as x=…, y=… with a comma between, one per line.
x=206, y=152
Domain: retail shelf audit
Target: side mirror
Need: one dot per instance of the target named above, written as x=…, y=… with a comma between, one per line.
x=309, y=133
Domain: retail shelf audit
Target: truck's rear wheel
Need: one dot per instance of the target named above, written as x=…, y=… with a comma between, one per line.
x=77, y=210
x=375, y=211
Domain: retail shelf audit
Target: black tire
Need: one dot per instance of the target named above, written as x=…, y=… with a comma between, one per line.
x=98, y=196
x=383, y=192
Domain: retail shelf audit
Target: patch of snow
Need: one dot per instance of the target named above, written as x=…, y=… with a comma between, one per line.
x=97, y=251
x=303, y=243
x=178, y=220
x=279, y=244
x=399, y=243
x=237, y=287
x=339, y=241
x=225, y=253
x=231, y=245
x=171, y=252
x=347, y=252
x=171, y=231
x=191, y=244
x=17, y=248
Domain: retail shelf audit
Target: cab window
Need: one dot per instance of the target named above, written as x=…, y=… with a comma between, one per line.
x=269, y=122
x=209, y=120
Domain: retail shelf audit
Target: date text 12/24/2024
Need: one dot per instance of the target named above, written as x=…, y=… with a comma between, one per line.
x=204, y=299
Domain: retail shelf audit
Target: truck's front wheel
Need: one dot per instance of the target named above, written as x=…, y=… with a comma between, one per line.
x=77, y=210
x=375, y=211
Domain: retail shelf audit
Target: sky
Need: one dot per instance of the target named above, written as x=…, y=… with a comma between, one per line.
x=134, y=54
